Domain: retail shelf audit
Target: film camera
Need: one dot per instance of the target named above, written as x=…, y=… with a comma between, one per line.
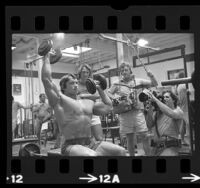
x=143, y=97
x=124, y=103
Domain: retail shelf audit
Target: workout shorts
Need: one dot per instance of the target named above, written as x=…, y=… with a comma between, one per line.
x=87, y=142
x=132, y=122
x=95, y=121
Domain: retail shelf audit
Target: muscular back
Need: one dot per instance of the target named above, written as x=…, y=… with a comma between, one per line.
x=74, y=117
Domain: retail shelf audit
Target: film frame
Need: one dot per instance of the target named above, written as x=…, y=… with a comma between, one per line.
x=108, y=169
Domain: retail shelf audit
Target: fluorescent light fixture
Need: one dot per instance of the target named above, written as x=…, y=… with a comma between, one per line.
x=142, y=42
x=69, y=55
x=77, y=50
x=60, y=35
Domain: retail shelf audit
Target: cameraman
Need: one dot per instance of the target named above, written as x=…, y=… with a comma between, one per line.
x=167, y=120
x=132, y=121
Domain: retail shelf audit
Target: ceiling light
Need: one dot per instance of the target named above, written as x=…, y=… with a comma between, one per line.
x=142, y=42
x=69, y=55
x=76, y=50
x=60, y=35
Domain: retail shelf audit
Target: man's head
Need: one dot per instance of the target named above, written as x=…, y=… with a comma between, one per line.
x=42, y=97
x=84, y=72
x=170, y=99
x=69, y=84
x=125, y=70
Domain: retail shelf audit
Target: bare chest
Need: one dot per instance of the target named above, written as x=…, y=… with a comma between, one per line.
x=79, y=111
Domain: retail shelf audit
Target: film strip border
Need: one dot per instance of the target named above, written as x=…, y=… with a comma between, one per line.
x=154, y=19
x=103, y=19
x=127, y=170
x=88, y=23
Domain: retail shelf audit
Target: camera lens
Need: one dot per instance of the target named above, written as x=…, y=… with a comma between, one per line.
x=143, y=97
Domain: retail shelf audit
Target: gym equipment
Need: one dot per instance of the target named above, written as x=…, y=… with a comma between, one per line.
x=55, y=56
x=97, y=79
x=45, y=47
x=176, y=81
x=54, y=152
x=132, y=45
x=131, y=87
x=128, y=42
x=28, y=128
x=29, y=149
x=110, y=124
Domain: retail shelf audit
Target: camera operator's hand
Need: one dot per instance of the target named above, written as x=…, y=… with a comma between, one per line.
x=150, y=74
x=150, y=94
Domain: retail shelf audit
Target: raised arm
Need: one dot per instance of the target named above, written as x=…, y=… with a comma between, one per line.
x=93, y=97
x=50, y=88
x=173, y=113
x=104, y=107
x=149, y=83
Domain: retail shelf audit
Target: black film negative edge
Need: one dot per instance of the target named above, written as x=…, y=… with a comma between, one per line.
x=194, y=161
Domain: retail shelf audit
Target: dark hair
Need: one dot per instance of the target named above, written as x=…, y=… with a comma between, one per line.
x=65, y=79
x=173, y=96
x=81, y=68
x=124, y=64
x=12, y=98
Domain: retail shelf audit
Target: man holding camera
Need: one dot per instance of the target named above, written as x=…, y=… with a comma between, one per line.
x=167, y=120
x=131, y=113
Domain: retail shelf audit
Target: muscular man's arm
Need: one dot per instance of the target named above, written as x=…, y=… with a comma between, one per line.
x=50, y=88
x=104, y=107
x=89, y=96
x=149, y=83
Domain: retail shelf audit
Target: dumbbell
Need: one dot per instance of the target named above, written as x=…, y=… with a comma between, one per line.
x=45, y=47
x=30, y=149
x=97, y=79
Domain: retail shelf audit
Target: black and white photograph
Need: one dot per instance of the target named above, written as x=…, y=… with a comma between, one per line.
x=102, y=94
